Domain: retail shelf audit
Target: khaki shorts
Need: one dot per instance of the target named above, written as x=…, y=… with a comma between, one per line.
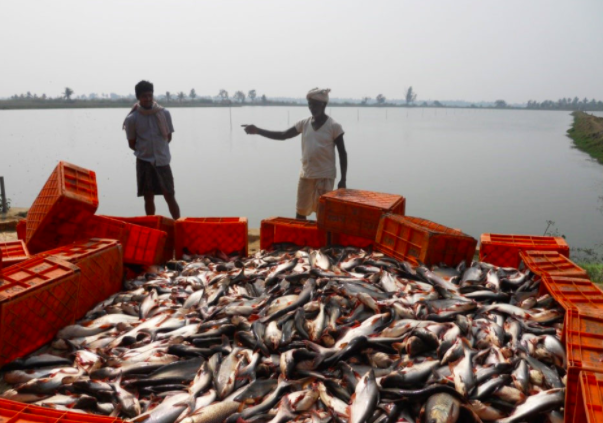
x=308, y=193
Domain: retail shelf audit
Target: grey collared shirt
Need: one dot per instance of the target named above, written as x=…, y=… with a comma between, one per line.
x=150, y=145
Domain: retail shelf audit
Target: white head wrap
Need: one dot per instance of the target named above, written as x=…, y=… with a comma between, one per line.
x=320, y=94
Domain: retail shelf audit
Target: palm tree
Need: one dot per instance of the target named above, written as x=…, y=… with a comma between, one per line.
x=168, y=96
x=181, y=96
x=68, y=92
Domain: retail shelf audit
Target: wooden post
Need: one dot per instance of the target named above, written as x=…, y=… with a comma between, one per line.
x=3, y=193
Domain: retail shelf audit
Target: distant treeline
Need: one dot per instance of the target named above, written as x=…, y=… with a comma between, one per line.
x=68, y=99
x=574, y=104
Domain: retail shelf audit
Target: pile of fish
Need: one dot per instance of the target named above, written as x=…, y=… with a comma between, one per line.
x=330, y=335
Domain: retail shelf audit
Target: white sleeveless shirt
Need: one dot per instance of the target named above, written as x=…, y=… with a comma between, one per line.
x=318, y=148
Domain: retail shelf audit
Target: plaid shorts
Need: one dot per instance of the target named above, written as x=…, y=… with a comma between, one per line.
x=151, y=179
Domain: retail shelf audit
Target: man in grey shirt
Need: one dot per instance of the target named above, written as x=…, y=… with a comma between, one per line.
x=149, y=131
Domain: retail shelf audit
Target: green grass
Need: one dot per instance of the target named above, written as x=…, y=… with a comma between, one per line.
x=595, y=271
x=587, y=133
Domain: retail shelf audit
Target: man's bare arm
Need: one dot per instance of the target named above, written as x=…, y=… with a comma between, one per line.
x=343, y=161
x=132, y=144
x=273, y=135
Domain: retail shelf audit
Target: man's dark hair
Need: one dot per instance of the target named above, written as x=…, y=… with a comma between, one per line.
x=143, y=87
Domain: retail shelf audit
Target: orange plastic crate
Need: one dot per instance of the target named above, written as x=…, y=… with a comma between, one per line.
x=589, y=406
x=13, y=252
x=141, y=245
x=67, y=200
x=161, y=223
x=17, y=412
x=101, y=264
x=583, y=335
x=206, y=235
x=573, y=293
x=22, y=229
x=421, y=241
x=503, y=250
x=349, y=240
x=37, y=298
x=355, y=212
x=551, y=263
x=278, y=230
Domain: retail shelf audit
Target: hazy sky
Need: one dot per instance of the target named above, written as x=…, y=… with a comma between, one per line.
x=463, y=49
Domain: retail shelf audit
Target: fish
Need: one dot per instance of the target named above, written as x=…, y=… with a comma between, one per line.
x=544, y=401
x=365, y=399
x=214, y=413
x=442, y=408
x=336, y=334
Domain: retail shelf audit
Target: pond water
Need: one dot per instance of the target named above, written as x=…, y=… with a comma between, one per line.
x=500, y=171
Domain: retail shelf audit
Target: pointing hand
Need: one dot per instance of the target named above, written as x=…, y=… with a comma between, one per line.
x=250, y=129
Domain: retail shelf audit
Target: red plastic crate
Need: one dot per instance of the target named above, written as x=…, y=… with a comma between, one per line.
x=206, y=235
x=277, y=230
x=573, y=293
x=551, y=263
x=141, y=245
x=590, y=399
x=17, y=412
x=349, y=240
x=583, y=335
x=421, y=241
x=101, y=264
x=355, y=212
x=37, y=298
x=67, y=200
x=13, y=252
x=503, y=250
x=160, y=223
x=22, y=229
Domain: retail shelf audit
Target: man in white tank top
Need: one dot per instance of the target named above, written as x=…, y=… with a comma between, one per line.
x=320, y=135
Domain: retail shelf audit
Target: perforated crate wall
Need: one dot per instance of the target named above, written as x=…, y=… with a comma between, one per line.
x=284, y=230
x=206, y=235
x=419, y=240
x=38, y=297
x=160, y=223
x=356, y=212
x=573, y=293
x=13, y=252
x=67, y=200
x=503, y=250
x=101, y=264
x=551, y=263
x=17, y=412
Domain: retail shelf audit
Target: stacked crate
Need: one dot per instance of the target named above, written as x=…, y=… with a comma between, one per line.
x=13, y=252
x=159, y=223
x=503, y=250
x=583, y=333
x=38, y=297
x=101, y=270
x=351, y=217
x=420, y=241
x=551, y=263
x=582, y=300
x=284, y=230
x=210, y=235
x=18, y=412
x=68, y=199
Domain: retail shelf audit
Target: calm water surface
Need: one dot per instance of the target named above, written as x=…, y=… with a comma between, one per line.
x=502, y=171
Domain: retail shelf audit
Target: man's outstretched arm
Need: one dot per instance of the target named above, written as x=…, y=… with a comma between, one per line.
x=273, y=135
x=343, y=161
